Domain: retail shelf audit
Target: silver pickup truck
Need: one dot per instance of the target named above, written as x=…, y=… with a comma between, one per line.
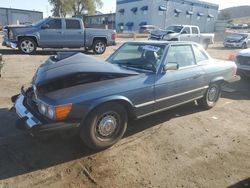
x=57, y=33
x=183, y=33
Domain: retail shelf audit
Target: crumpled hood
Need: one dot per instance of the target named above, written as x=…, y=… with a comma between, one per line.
x=65, y=64
x=160, y=32
x=245, y=53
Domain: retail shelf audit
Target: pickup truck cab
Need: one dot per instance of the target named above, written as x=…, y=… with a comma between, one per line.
x=57, y=33
x=183, y=33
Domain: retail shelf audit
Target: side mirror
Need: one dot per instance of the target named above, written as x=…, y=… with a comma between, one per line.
x=171, y=66
x=46, y=26
x=184, y=32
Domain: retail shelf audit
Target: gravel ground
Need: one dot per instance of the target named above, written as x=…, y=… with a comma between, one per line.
x=184, y=147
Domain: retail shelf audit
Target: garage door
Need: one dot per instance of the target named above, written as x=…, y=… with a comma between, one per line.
x=20, y=17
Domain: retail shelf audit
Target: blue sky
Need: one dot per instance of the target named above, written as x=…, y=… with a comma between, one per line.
x=109, y=5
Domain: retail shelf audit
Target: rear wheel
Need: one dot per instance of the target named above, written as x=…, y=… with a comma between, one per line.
x=244, y=45
x=27, y=45
x=211, y=97
x=105, y=126
x=99, y=46
x=205, y=44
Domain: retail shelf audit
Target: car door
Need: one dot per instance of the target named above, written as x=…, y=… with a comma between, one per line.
x=185, y=34
x=195, y=34
x=74, y=33
x=51, y=33
x=182, y=85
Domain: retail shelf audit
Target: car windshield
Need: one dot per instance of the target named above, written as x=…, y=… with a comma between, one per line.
x=238, y=36
x=38, y=22
x=176, y=29
x=138, y=56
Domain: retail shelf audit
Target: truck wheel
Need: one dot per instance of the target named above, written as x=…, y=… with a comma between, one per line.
x=99, y=46
x=205, y=44
x=27, y=45
x=211, y=97
x=105, y=126
x=244, y=46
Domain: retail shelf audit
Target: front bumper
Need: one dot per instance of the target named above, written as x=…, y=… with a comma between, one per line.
x=28, y=121
x=6, y=42
x=233, y=44
x=243, y=70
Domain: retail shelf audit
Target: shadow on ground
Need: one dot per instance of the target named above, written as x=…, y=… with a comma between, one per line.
x=21, y=153
x=242, y=184
x=42, y=52
x=238, y=90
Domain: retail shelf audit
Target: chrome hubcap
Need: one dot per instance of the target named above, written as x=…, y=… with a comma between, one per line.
x=27, y=46
x=107, y=125
x=99, y=47
x=212, y=94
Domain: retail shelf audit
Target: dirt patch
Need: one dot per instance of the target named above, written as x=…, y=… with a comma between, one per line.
x=184, y=147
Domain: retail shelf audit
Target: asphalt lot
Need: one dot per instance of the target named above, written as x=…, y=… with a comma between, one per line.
x=184, y=147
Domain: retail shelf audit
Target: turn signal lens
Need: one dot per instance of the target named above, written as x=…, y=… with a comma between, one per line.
x=62, y=112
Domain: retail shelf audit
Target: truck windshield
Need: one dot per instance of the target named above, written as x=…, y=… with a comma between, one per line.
x=139, y=56
x=39, y=22
x=176, y=29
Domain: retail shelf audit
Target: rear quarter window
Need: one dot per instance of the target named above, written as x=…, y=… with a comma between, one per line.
x=199, y=54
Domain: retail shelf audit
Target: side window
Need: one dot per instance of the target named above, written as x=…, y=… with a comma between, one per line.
x=186, y=30
x=181, y=54
x=72, y=24
x=195, y=30
x=55, y=24
x=199, y=54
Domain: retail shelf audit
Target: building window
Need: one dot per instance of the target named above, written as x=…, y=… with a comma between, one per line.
x=134, y=10
x=130, y=26
x=199, y=15
x=209, y=17
x=144, y=10
x=161, y=10
x=177, y=12
x=121, y=11
x=189, y=13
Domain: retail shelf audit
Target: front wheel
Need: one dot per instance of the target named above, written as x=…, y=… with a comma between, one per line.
x=27, y=45
x=99, y=46
x=244, y=45
x=104, y=126
x=211, y=97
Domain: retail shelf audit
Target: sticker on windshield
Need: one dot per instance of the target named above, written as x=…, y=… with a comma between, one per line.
x=151, y=48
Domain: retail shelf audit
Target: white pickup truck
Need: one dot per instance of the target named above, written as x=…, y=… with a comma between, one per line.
x=183, y=33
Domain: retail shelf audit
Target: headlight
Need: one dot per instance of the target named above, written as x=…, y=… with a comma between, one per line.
x=55, y=112
x=42, y=108
x=51, y=113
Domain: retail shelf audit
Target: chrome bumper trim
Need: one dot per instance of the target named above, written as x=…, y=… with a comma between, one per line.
x=22, y=112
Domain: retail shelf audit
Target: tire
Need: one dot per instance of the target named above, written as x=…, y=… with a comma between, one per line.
x=99, y=46
x=244, y=46
x=205, y=44
x=27, y=45
x=94, y=131
x=211, y=97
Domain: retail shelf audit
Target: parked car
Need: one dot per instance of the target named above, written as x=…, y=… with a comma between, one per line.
x=147, y=28
x=57, y=33
x=96, y=98
x=243, y=63
x=237, y=40
x=183, y=33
